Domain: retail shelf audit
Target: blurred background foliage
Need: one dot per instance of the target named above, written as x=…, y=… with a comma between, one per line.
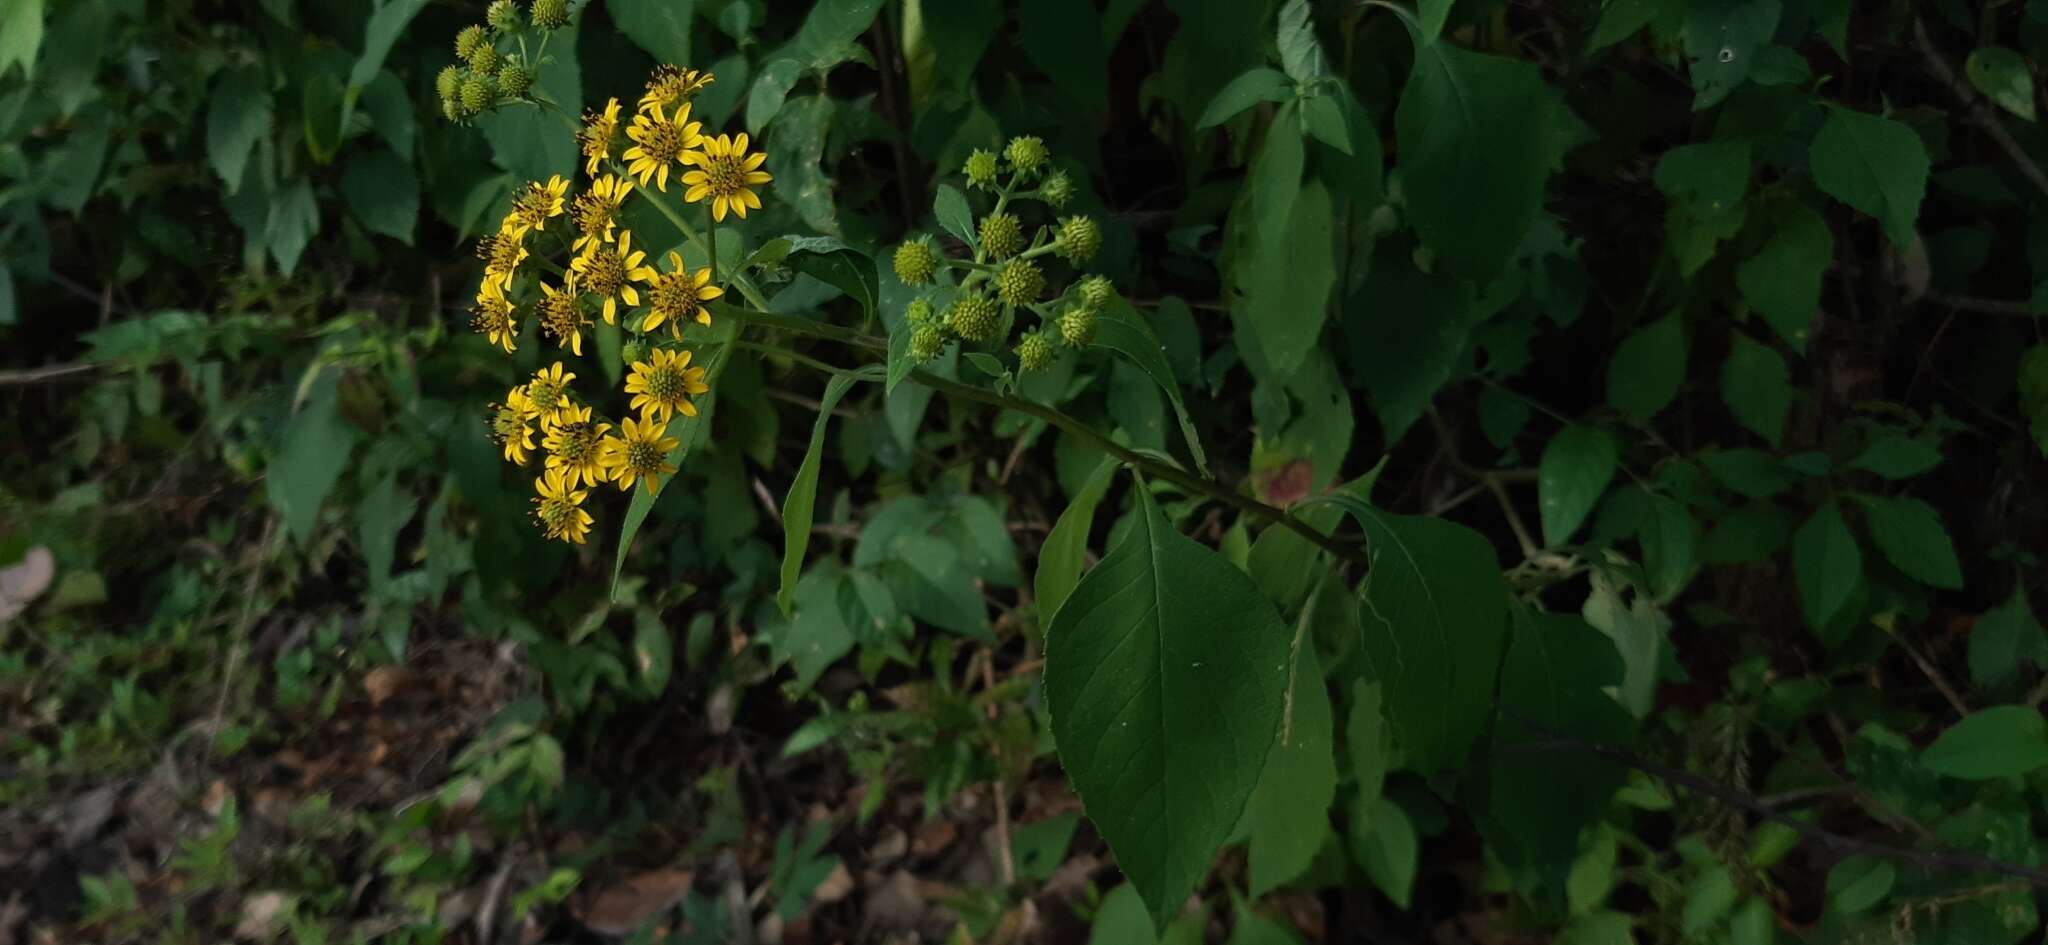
x=1732, y=305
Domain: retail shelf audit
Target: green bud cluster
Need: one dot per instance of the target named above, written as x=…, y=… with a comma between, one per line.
x=1077, y=327
x=514, y=80
x=973, y=317
x=503, y=17
x=1001, y=235
x=915, y=262
x=1079, y=238
x=1034, y=352
x=550, y=14
x=1019, y=283
x=919, y=311
x=927, y=341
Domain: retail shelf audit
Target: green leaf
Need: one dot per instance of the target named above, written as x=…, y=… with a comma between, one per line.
x=322, y=105
x=1706, y=177
x=1722, y=38
x=1370, y=745
x=1998, y=742
x=9, y=313
x=1327, y=118
x=1432, y=14
x=694, y=431
x=531, y=142
x=1757, y=388
x=1599, y=928
x=1783, y=280
x=815, y=634
x=799, y=505
x=1896, y=457
x=661, y=27
x=841, y=266
x=380, y=32
x=1648, y=369
x=1472, y=131
x=1061, y=556
x=1827, y=563
x=1301, y=54
x=1555, y=678
x=1434, y=621
x=293, y=220
x=1383, y=840
x=1289, y=296
x=1064, y=38
x=1121, y=329
x=21, y=34
x=1910, y=534
x=1749, y=472
x=1874, y=164
x=828, y=30
x=1255, y=929
x=1859, y=882
x=654, y=653
x=1040, y=847
x=771, y=88
x=1289, y=811
x=382, y=193
x=951, y=208
x=1407, y=332
x=1275, y=179
x=236, y=119
x=310, y=457
x=2003, y=638
x=383, y=512
x=2002, y=75
x=1638, y=630
x=1576, y=468
x=1165, y=673
x=796, y=154
x=1122, y=919
x=1257, y=85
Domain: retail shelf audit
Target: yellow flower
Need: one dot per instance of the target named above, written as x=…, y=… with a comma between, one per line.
x=559, y=507
x=560, y=315
x=663, y=384
x=512, y=425
x=677, y=296
x=492, y=316
x=535, y=206
x=609, y=270
x=669, y=86
x=575, y=444
x=599, y=129
x=725, y=173
x=549, y=392
x=502, y=255
x=641, y=454
x=596, y=211
x=659, y=142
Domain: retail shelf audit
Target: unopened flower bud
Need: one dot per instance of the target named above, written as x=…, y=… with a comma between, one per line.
x=1001, y=235
x=477, y=94
x=1019, y=282
x=1027, y=154
x=503, y=16
x=918, y=312
x=915, y=262
x=1057, y=189
x=1077, y=327
x=550, y=14
x=981, y=168
x=973, y=317
x=1096, y=292
x=1079, y=238
x=1034, y=353
x=926, y=342
x=448, y=83
x=467, y=41
x=514, y=80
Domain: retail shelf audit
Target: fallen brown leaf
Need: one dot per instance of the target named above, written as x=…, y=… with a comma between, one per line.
x=622, y=908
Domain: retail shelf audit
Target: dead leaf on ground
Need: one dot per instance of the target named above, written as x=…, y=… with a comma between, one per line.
x=382, y=683
x=933, y=838
x=628, y=905
x=262, y=914
x=834, y=887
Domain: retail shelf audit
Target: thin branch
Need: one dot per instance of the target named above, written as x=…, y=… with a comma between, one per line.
x=54, y=372
x=1934, y=859
x=1980, y=111
x=1964, y=303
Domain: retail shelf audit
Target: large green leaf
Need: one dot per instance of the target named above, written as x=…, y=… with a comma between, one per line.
x=1827, y=563
x=1434, y=621
x=1121, y=329
x=1576, y=468
x=1383, y=841
x=1407, y=330
x=796, y=154
x=1648, y=369
x=1254, y=86
x=2002, y=75
x=1910, y=534
x=2003, y=639
x=1060, y=557
x=1783, y=280
x=21, y=34
x=662, y=27
x=238, y=116
x=1553, y=684
x=1722, y=38
x=1998, y=742
x=1875, y=164
x=1291, y=276
x=799, y=505
x=1473, y=131
x=1757, y=388
x=383, y=193
x=1064, y=38
x=310, y=457
x=849, y=270
x=1165, y=675
x=1289, y=813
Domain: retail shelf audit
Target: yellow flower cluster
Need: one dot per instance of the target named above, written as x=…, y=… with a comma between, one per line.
x=604, y=275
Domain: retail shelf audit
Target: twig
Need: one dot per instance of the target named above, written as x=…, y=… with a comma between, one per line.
x=494, y=896
x=1008, y=861
x=1935, y=859
x=1507, y=509
x=1933, y=675
x=767, y=500
x=1980, y=111
x=240, y=637
x=1964, y=303
x=54, y=372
